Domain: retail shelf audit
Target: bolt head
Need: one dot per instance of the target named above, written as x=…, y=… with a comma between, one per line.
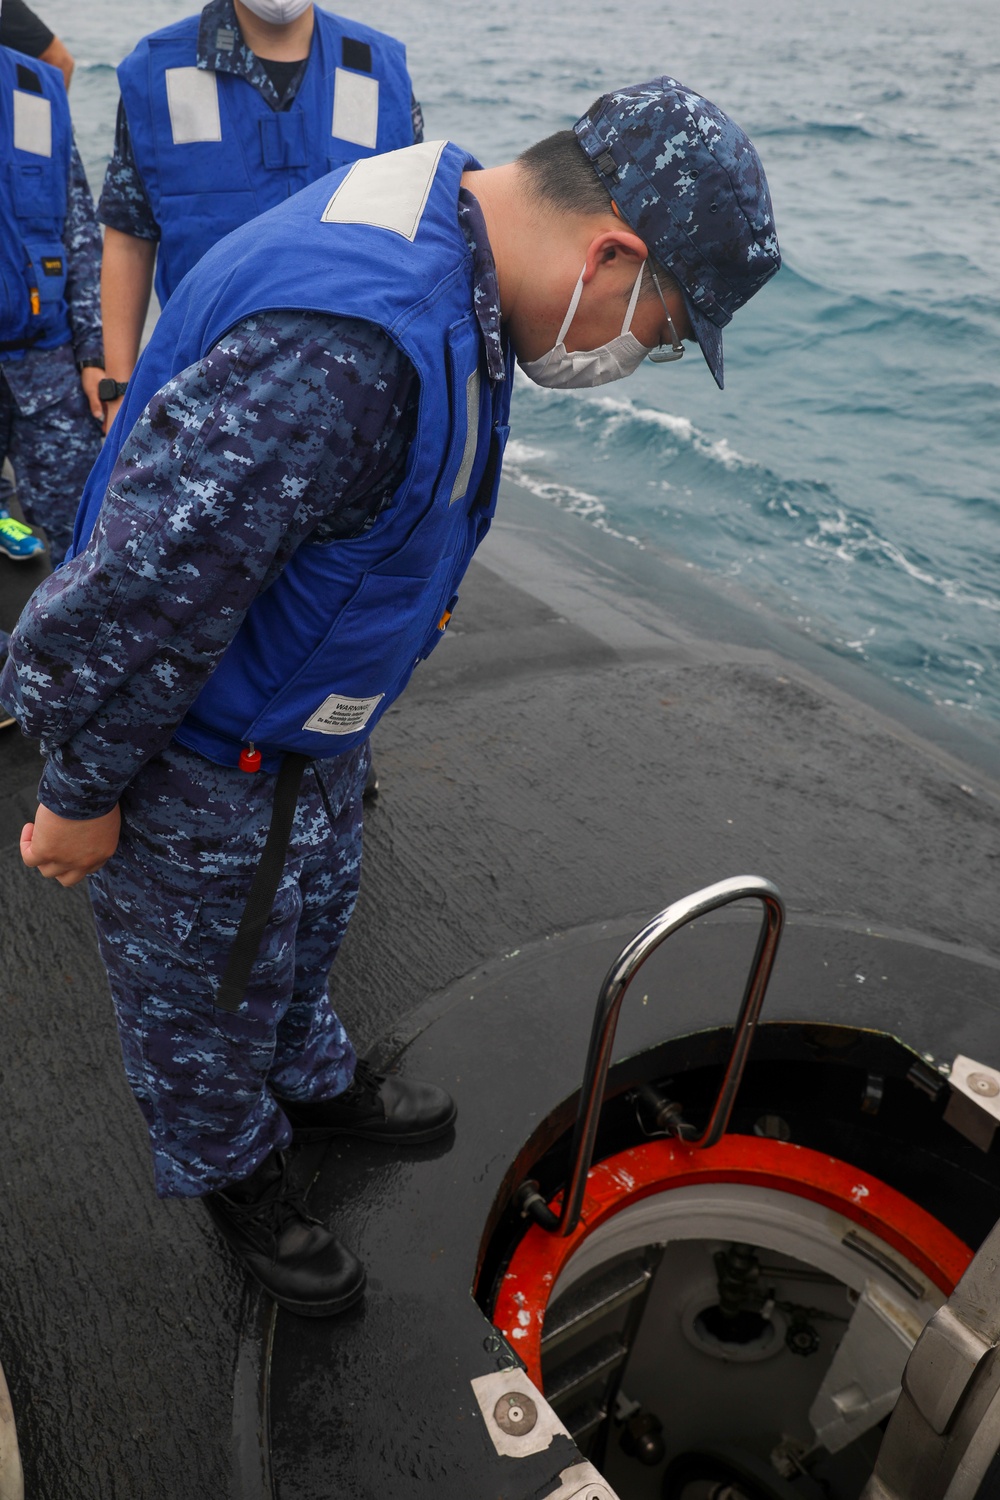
x=515, y=1413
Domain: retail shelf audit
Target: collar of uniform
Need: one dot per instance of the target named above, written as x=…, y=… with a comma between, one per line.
x=221, y=49
x=486, y=288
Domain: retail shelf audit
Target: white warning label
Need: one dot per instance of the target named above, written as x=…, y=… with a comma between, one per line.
x=340, y=715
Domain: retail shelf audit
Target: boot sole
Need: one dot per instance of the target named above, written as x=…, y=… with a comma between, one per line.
x=313, y=1309
x=415, y=1138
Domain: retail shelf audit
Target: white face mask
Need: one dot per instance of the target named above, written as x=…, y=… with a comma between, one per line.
x=277, y=12
x=585, y=367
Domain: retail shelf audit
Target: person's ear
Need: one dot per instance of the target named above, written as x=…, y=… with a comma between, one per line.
x=611, y=246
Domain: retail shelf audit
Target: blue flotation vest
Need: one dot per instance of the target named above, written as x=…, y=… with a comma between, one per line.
x=212, y=152
x=325, y=650
x=36, y=139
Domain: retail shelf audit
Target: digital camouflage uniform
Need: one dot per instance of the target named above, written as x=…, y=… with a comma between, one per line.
x=167, y=908
x=46, y=428
x=308, y=444
x=124, y=204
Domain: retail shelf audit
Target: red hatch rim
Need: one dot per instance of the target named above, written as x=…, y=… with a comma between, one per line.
x=659, y=1165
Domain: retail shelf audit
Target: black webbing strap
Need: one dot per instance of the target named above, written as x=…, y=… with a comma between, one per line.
x=12, y=346
x=264, y=885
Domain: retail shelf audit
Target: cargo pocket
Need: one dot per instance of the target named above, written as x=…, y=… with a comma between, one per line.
x=46, y=271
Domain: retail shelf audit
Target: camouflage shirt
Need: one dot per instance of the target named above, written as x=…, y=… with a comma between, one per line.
x=294, y=427
x=221, y=49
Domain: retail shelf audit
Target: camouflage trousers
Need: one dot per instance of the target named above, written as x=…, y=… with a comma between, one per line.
x=209, y=1082
x=51, y=439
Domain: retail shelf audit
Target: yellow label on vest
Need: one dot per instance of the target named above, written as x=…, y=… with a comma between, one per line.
x=340, y=715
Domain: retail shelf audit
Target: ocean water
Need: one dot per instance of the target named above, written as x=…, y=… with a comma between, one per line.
x=848, y=474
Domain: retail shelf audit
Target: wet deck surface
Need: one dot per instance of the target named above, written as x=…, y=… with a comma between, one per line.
x=572, y=754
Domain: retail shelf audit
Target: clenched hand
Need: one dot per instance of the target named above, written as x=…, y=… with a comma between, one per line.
x=67, y=849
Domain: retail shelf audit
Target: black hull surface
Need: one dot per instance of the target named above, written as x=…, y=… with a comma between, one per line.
x=574, y=756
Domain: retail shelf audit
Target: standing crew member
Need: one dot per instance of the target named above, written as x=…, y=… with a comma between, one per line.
x=222, y=116
x=274, y=535
x=23, y=31
x=51, y=359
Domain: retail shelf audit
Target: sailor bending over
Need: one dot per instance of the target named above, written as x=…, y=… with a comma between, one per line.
x=306, y=459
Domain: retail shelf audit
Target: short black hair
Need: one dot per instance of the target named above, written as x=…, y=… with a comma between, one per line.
x=562, y=175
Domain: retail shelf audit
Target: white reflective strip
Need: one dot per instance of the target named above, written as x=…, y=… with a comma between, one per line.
x=355, y=108
x=193, y=102
x=340, y=715
x=388, y=192
x=471, y=436
x=32, y=123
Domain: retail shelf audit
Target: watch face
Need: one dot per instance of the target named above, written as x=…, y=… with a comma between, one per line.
x=107, y=389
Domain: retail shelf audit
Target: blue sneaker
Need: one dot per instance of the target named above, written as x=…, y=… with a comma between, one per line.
x=17, y=541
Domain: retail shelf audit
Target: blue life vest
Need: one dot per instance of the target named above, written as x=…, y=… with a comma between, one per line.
x=212, y=152
x=36, y=139
x=325, y=650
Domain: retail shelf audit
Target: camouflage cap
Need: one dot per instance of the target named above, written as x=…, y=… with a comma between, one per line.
x=691, y=185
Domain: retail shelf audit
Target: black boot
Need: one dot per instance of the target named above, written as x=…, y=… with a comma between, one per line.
x=378, y=1107
x=296, y=1260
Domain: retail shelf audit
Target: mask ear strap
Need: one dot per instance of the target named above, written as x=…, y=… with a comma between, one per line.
x=574, y=303
x=632, y=301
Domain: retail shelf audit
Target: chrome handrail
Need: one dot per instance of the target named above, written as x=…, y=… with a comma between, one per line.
x=602, y=1036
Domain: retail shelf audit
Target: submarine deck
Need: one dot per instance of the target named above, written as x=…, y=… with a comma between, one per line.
x=576, y=754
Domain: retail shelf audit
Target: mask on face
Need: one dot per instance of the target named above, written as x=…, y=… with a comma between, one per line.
x=586, y=367
x=278, y=12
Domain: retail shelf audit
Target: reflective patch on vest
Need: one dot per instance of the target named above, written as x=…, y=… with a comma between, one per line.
x=193, y=102
x=355, y=108
x=340, y=715
x=32, y=124
x=389, y=191
x=461, y=484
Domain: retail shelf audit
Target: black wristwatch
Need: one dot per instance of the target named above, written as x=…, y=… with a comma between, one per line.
x=110, y=390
